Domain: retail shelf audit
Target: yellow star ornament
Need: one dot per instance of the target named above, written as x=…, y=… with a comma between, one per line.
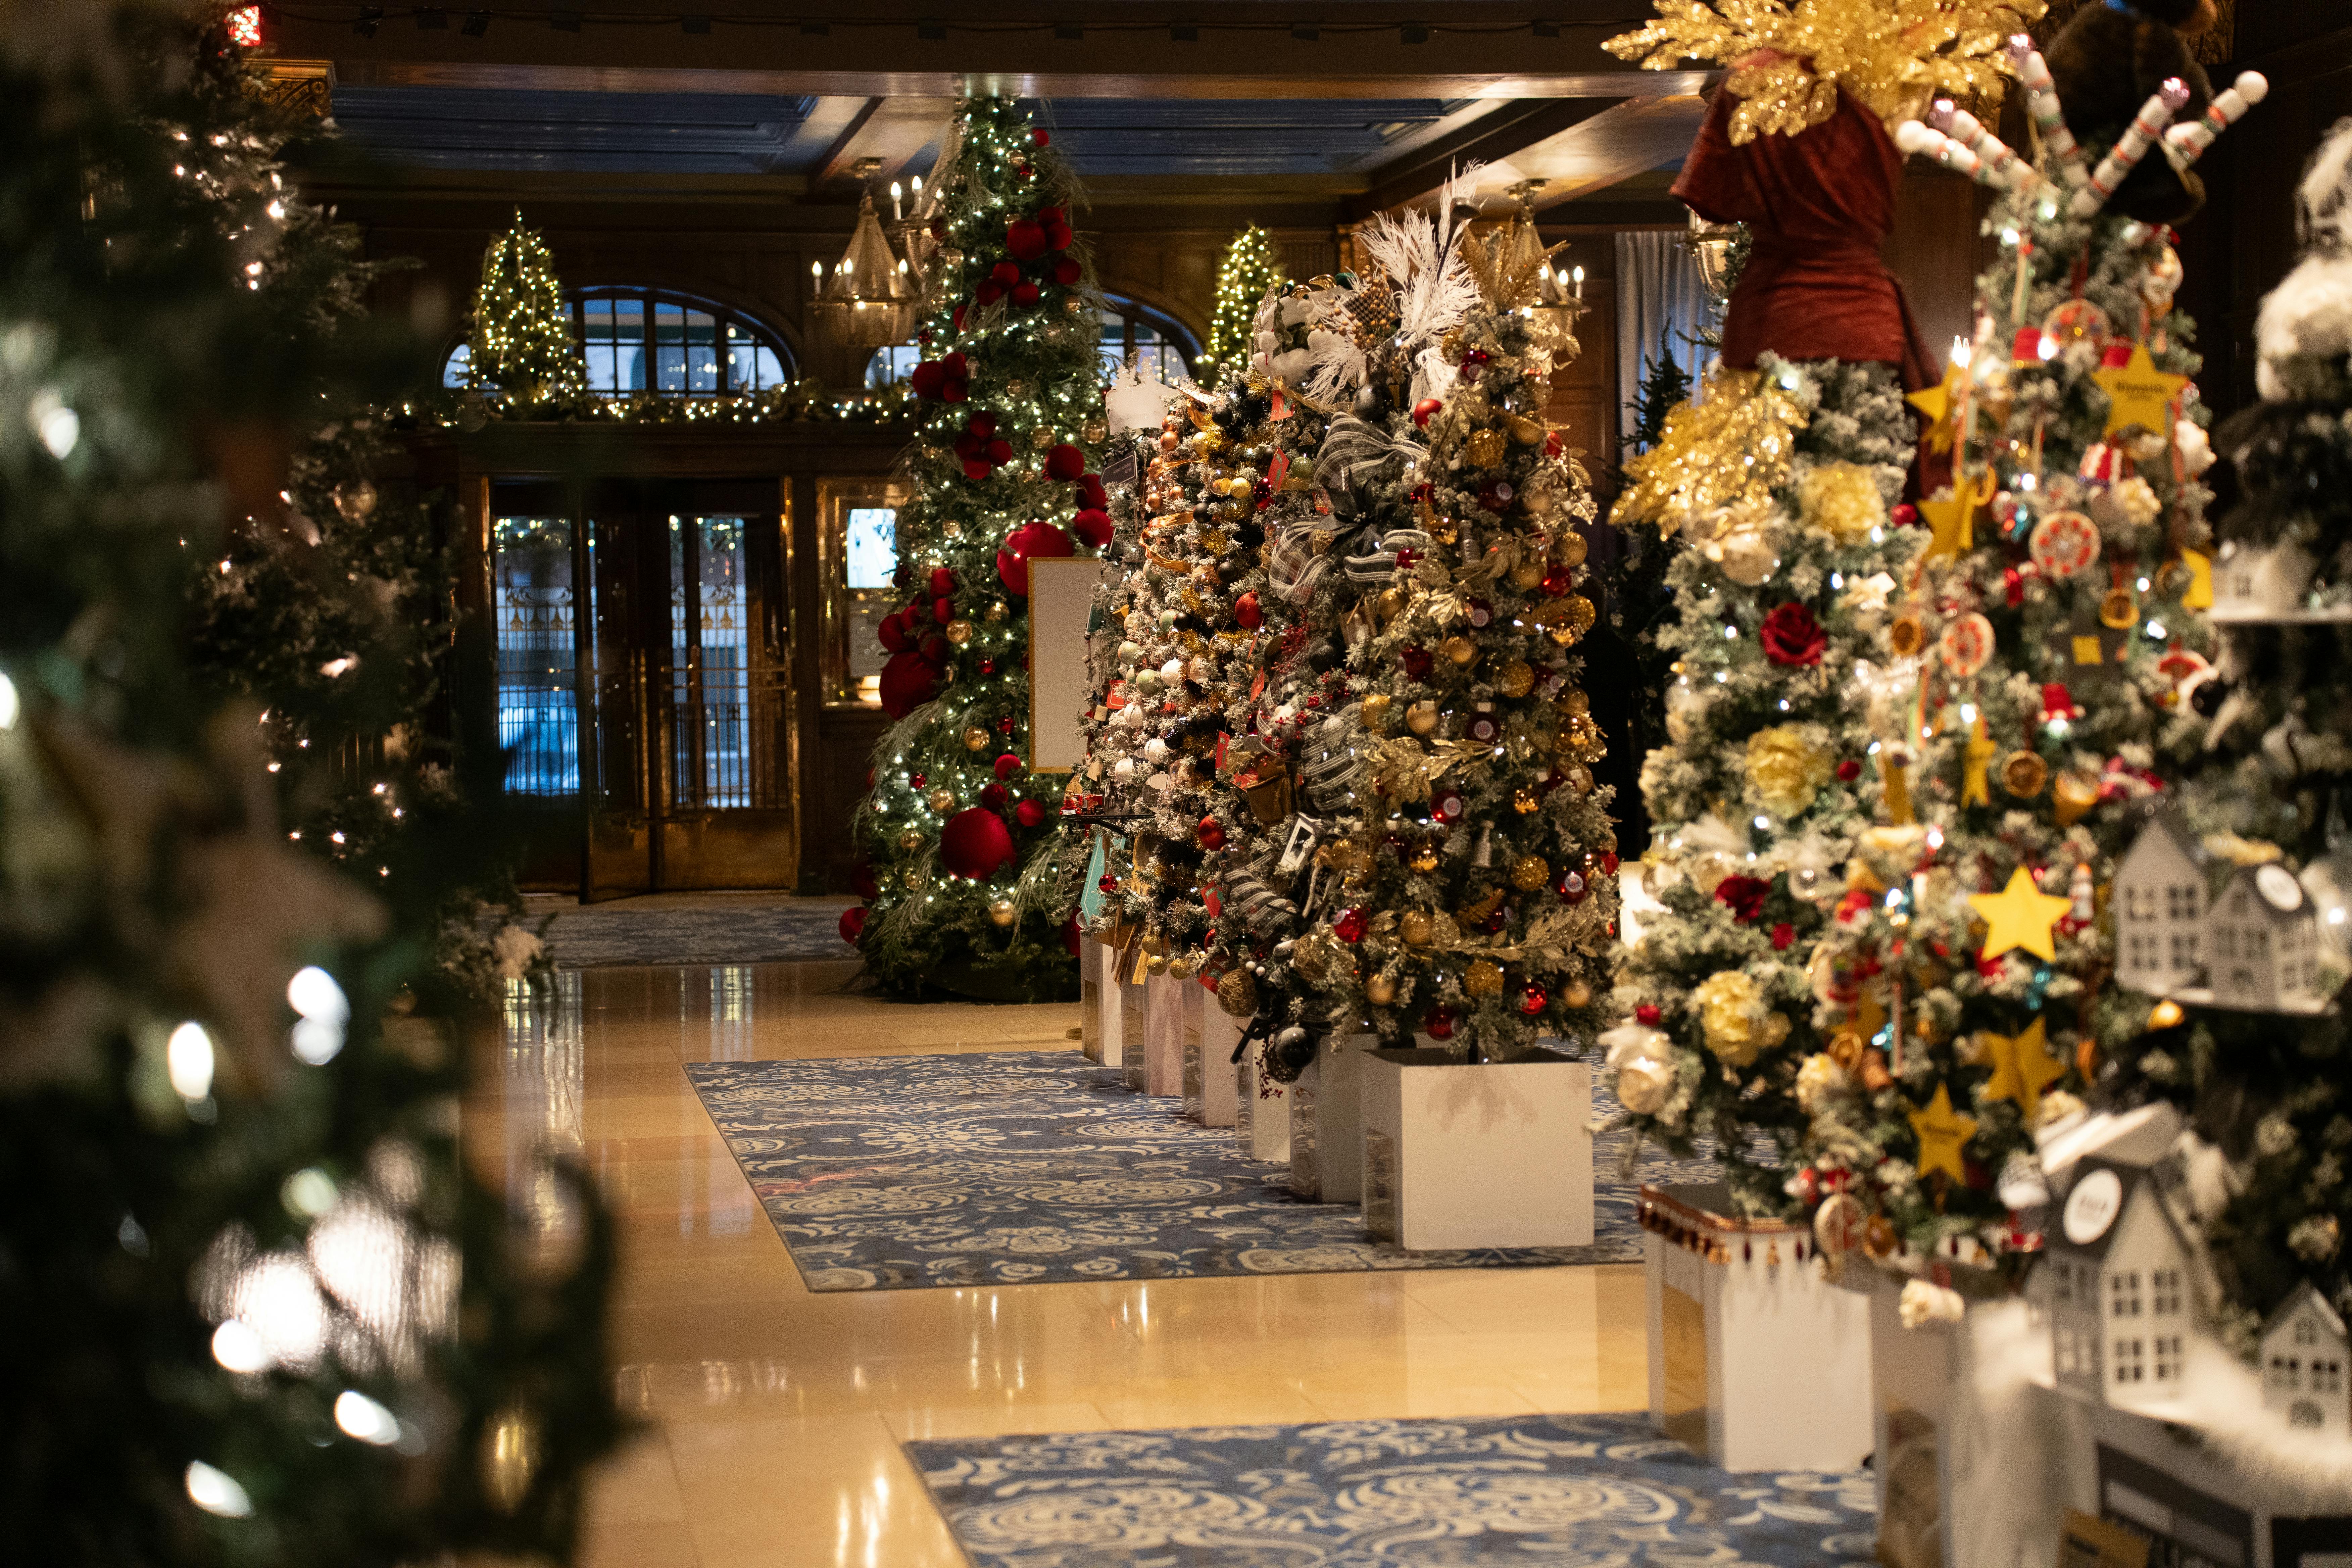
x=2023, y=1068
x=2139, y=394
x=2020, y=915
x=1940, y=404
x=1952, y=516
x=1941, y=1131
x=1981, y=751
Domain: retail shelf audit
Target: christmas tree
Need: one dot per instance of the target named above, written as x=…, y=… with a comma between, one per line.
x=1249, y=270
x=1664, y=387
x=1790, y=666
x=521, y=341
x=962, y=846
x=261, y=1314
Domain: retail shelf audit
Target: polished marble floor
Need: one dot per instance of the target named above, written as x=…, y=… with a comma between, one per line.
x=773, y=1416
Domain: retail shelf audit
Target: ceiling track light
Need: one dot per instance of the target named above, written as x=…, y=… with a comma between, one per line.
x=369, y=16
x=477, y=23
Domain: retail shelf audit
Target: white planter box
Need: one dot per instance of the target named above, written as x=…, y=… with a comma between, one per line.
x=1261, y=1110
x=1167, y=1010
x=1326, y=1132
x=1123, y=1013
x=1911, y=1372
x=1496, y=1154
x=1755, y=1362
x=1096, y=981
x=1218, y=1072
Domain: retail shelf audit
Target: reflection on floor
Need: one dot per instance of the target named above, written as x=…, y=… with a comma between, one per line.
x=774, y=1415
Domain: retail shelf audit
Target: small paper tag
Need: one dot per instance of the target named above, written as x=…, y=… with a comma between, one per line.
x=1120, y=470
x=1281, y=405
x=1304, y=831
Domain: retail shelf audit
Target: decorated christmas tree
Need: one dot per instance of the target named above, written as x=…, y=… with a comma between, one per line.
x=1791, y=665
x=1249, y=270
x=261, y=1312
x=520, y=340
x=963, y=845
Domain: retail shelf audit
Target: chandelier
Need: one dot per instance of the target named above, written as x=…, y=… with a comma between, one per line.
x=1710, y=247
x=870, y=301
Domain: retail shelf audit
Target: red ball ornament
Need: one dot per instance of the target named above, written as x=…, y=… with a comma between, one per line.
x=1064, y=462
x=1030, y=813
x=943, y=582
x=1107, y=882
x=1439, y=1024
x=1059, y=237
x=1210, y=833
x=918, y=780
x=977, y=469
x=1448, y=806
x=908, y=681
x=988, y=292
x=1093, y=528
x=1091, y=492
x=1024, y=295
x=853, y=924
x=1005, y=272
x=1532, y=999
x=1025, y=238
x=1416, y=660
x=1647, y=1014
x=1007, y=765
x=988, y=666
x=1349, y=926
x=1848, y=771
x=1557, y=579
x=1424, y=411
x=1025, y=544
x=1246, y=613
x=1037, y=137
x=993, y=796
x=892, y=634
x=1904, y=515
x=1004, y=725
x=1068, y=271
x=975, y=843
x=1608, y=862
x=943, y=610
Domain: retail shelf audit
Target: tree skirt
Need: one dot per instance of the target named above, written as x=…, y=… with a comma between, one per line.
x=1534, y=1491
x=593, y=936
x=1010, y=1167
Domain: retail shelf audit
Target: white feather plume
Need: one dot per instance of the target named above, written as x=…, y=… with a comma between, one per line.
x=2308, y=317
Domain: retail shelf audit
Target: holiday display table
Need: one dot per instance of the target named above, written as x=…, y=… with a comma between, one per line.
x=1210, y=1072
x=1490, y=1154
x=1171, y=1012
x=1326, y=1132
x=1261, y=1109
x=1756, y=1360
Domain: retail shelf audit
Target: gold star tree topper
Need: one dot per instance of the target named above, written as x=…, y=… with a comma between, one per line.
x=2020, y=915
x=1788, y=61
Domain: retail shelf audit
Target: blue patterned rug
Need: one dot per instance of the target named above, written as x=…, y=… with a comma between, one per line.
x=1529, y=1492
x=1016, y=1166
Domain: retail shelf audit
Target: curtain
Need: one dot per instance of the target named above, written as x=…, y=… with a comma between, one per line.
x=1658, y=287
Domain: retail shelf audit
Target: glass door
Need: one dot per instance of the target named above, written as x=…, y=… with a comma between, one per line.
x=655, y=698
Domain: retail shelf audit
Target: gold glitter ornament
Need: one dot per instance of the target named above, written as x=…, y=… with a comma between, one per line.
x=1524, y=800
x=999, y=911
x=996, y=611
x=1482, y=978
x=1484, y=448
x=1731, y=450
x=943, y=799
x=1571, y=550
x=959, y=632
x=1460, y=649
x=1526, y=575
x=1415, y=927
x=976, y=739
x=1842, y=501
x=1094, y=430
x=1424, y=860
x=1374, y=711
x=1180, y=969
x=1518, y=679
x=910, y=841
x=1529, y=872
x=1238, y=994
x=1788, y=61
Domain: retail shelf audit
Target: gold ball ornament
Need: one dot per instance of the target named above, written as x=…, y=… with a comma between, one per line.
x=910, y=841
x=912, y=876
x=2023, y=774
x=1421, y=718
x=996, y=611
x=943, y=799
x=1073, y=306
x=976, y=739
x=959, y=632
x=999, y=911
x=1529, y=872
x=1524, y=800
x=1526, y=575
x=1484, y=978
x=1424, y=860
x=1484, y=448
x=1518, y=679
x=1415, y=927
x=1576, y=994
x=1572, y=549
x=1156, y=965
x=1379, y=989
x=951, y=529
x=1460, y=649
x=1094, y=429
x=1180, y=969
x=1374, y=711
x=1043, y=436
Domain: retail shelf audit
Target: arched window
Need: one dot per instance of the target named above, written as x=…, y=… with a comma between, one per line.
x=650, y=340
x=1158, y=345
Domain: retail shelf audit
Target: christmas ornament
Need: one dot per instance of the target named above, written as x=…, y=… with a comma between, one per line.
x=1482, y=978
x=2137, y=393
x=1379, y=989
x=911, y=840
x=1210, y=833
x=355, y=501
x=976, y=739
x=1000, y=911
x=1238, y=994
x=1349, y=926
x=1421, y=718
x=1532, y=999
x=1525, y=800
x=853, y=924
x=1941, y=1132
x=975, y=843
x=1576, y=994
x=1414, y=928
x=943, y=799
x=1529, y=872
x=2063, y=544
x=1439, y=1024
x=959, y=632
x=1460, y=650
x=2023, y=1068
x=1516, y=680
x=1424, y=860
x=2023, y=774
x=1966, y=645
x=2018, y=916
x=1031, y=541
x=1373, y=712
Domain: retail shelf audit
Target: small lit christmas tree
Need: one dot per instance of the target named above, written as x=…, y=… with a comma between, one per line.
x=1664, y=384
x=521, y=341
x=962, y=846
x=1250, y=267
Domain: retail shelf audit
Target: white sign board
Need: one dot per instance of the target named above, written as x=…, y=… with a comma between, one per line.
x=1061, y=596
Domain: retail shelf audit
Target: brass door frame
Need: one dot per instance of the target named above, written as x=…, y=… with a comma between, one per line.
x=835, y=499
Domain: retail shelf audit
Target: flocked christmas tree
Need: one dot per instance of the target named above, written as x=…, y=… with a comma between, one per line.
x=521, y=340
x=1249, y=270
x=962, y=845
x=261, y=1313
x=1790, y=664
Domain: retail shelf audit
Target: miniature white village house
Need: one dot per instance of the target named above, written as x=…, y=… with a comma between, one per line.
x=2256, y=945
x=2120, y=1308
x=2303, y=1351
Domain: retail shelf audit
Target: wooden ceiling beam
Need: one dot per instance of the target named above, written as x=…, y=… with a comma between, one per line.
x=1496, y=137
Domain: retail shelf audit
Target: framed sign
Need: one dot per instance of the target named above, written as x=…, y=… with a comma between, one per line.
x=1061, y=597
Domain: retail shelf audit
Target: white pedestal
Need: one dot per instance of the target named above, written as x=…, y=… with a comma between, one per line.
x=1220, y=1032
x=1756, y=1360
x=1123, y=1032
x=1497, y=1154
x=1261, y=1110
x=1164, y=1020
x=1911, y=1377
x=1096, y=961
x=1327, y=1132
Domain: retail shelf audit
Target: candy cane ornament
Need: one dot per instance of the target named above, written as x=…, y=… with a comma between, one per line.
x=1915, y=136
x=2185, y=143
x=2049, y=114
x=2145, y=130
x=2002, y=166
